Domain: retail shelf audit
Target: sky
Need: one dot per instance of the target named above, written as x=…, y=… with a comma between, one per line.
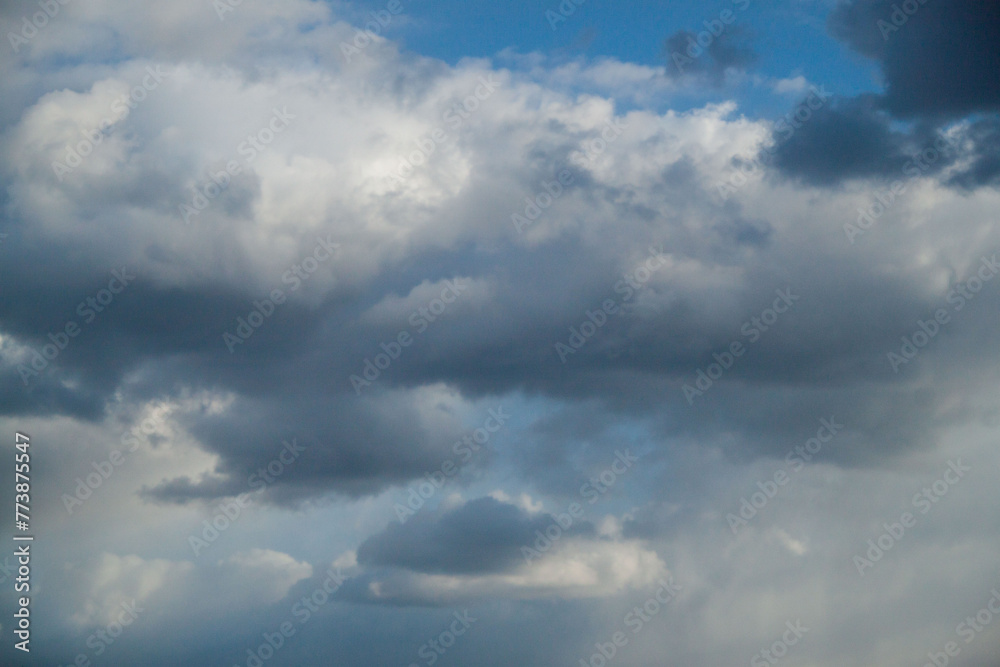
x=398, y=334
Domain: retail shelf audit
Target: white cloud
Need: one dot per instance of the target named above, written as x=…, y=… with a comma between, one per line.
x=174, y=591
x=104, y=585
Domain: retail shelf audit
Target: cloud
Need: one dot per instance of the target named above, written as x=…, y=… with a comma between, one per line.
x=939, y=60
x=642, y=175
x=938, y=64
x=730, y=52
x=482, y=536
x=794, y=85
x=476, y=551
x=400, y=242
x=114, y=579
x=169, y=588
x=356, y=448
x=852, y=138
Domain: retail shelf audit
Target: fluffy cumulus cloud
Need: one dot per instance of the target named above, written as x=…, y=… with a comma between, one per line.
x=265, y=282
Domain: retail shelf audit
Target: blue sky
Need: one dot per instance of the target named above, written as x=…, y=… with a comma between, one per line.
x=790, y=41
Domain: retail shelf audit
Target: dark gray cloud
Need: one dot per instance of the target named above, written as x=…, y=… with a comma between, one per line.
x=354, y=446
x=938, y=61
x=483, y=536
x=845, y=137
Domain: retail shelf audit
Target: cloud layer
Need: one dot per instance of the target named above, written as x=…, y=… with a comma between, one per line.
x=256, y=270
